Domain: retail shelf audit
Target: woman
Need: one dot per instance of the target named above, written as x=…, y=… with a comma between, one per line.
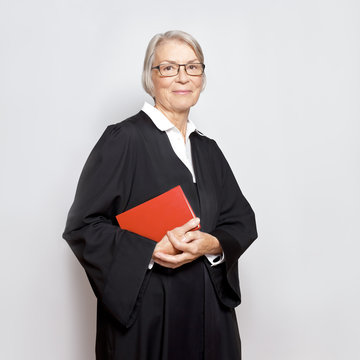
x=173, y=299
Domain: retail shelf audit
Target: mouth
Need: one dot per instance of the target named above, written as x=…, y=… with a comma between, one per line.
x=182, y=92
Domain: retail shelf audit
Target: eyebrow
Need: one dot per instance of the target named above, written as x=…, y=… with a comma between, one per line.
x=174, y=62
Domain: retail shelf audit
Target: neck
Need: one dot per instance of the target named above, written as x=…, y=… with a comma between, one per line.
x=179, y=119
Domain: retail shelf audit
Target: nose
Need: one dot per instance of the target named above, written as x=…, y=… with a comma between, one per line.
x=182, y=77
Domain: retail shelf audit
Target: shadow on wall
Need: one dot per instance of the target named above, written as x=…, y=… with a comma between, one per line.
x=83, y=305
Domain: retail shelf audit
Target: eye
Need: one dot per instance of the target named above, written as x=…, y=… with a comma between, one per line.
x=168, y=67
x=193, y=66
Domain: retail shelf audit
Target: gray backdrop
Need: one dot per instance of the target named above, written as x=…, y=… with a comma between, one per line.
x=282, y=101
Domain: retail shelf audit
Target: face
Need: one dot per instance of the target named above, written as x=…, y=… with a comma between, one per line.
x=177, y=93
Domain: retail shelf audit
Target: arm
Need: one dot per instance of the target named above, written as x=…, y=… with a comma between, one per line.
x=236, y=227
x=114, y=260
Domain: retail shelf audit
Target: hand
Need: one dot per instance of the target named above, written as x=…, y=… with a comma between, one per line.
x=165, y=246
x=192, y=245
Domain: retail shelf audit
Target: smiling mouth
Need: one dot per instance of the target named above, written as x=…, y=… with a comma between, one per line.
x=182, y=92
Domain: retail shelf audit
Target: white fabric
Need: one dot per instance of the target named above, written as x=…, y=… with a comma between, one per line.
x=182, y=150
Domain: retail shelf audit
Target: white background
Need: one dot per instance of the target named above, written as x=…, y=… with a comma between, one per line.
x=282, y=101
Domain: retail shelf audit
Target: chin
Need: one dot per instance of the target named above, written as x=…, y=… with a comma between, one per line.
x=184, y=104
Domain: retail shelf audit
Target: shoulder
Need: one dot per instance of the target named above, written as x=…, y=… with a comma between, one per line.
x=119, y=141
x=211, y=154
x=126, y=132
x=129, y=126
x=206, y=142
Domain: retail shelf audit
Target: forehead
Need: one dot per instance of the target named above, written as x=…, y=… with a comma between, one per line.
x=174, y=50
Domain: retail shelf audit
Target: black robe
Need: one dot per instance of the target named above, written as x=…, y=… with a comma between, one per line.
x=158, y=314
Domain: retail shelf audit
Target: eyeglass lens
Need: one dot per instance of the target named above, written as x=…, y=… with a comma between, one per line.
x=173, y=69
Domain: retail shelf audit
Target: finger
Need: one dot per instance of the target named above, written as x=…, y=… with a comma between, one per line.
x=165, y=264
x=187, y=237
x=177, y=243
x=191, y=224
x=158, y=258
x=179, y=259
x=157, y=253
x=191, y=235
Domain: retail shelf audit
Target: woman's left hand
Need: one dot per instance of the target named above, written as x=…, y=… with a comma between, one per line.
x=193, y=245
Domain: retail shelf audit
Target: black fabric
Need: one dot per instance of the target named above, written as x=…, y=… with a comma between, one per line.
x=142, y=313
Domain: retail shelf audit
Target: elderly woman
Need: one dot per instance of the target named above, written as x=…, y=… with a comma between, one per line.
x=172, y=299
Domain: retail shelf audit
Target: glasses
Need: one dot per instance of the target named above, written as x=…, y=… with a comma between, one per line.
x=192, y=69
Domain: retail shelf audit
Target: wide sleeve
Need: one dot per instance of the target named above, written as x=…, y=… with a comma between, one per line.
x=115, y=260
x=235, y=229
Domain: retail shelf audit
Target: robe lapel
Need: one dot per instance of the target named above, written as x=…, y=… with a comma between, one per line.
x=206, y=188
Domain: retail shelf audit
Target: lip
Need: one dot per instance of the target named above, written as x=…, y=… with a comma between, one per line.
x=182, y=92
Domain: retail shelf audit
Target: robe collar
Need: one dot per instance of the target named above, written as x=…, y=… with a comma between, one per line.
x=162, y=122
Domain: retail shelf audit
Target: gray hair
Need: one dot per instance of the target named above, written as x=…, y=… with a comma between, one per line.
x=150, y=54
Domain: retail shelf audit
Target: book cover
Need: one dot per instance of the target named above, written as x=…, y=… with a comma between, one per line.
x=153, y=218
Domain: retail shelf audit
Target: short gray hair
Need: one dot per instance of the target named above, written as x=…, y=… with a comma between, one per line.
x=150, y=54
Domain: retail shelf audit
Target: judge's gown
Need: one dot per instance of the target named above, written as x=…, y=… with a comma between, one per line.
x=158, y=314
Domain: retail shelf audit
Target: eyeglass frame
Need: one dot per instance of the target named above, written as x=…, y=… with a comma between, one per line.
x=184, y=65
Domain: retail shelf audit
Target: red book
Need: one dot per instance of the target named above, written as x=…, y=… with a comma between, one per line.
x=153, y=218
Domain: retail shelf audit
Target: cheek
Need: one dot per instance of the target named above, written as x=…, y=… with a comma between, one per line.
x=161, y=86
x=198, y=84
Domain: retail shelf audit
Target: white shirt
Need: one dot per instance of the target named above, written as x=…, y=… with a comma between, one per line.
x=182, y=150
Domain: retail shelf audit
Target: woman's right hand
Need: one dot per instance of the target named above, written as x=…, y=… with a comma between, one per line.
x=164, y=246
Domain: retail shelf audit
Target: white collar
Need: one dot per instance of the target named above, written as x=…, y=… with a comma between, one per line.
x=162, y=122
